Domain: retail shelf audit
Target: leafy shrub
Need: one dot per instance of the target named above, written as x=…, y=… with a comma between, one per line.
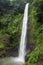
x=10, y=31
x=36, y=24
x=34, y=56
x=1, y=46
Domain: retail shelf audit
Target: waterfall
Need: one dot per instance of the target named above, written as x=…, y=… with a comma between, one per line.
x=21, y=58
x=22, y=47
x=23, y=34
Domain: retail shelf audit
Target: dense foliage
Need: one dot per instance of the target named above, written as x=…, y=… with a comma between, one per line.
x=36, y=24
x=10, y=30
x=10, y=27
x=11, y=15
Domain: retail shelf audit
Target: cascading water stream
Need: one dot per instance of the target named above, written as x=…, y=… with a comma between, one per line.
x=23, y=34
x=21, y=58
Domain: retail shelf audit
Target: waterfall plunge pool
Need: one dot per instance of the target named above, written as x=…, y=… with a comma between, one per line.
x=21, y=58
x=11, y=61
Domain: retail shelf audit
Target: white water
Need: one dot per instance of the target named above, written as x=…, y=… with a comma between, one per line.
x=21, y=58
x=23, y=34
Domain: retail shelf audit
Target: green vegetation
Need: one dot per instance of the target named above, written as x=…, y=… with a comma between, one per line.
x=36, y=24
x=1, y=45
x=10, y=27
x=11, y=15
x=10, y=30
